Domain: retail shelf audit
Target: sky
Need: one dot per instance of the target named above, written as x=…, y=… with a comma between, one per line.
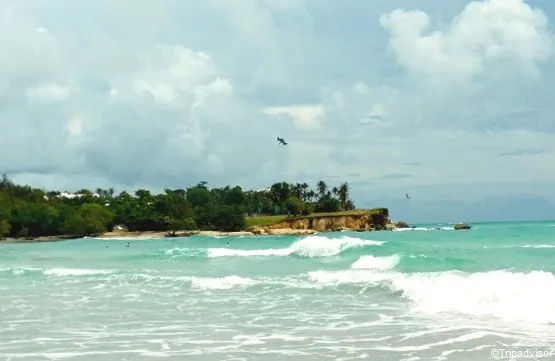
x=448, y=101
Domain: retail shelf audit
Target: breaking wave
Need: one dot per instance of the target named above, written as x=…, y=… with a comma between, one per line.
x=56, y=272
x=510, y=296
x=310, y=247
x=424, y=229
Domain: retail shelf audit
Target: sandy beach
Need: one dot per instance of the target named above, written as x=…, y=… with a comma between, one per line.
x=153, y=235
x=258, y=231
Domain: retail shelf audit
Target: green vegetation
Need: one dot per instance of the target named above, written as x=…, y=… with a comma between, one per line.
x=353, y=212
x=261, y=221
x=30, y=212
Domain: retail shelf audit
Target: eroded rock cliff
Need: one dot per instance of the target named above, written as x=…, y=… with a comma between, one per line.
x=360, y=220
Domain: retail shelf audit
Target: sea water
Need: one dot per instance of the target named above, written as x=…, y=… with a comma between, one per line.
x=429, y=293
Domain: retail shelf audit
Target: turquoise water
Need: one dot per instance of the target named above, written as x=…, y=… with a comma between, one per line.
x=422, y=294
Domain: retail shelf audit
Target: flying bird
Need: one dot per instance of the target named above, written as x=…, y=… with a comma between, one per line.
x=280, y=140
x=407, y=196
x=372, y=119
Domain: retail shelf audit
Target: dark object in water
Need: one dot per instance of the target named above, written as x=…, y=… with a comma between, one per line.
x=461, y=226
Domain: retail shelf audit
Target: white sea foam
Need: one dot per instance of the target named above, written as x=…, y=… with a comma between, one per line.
x=75, y=272
x=18, y=271
x=424, y=229
x=371, y=262
x=511, y=296
x=311, y=246
x=221, y=283
x=413, y=229
x=526, y=297
x=345, y=277
x=318, y=246
x=230, y=252
x=539, y=246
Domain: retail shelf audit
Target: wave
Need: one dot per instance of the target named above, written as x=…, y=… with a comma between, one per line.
x=76, y=272
x=424, y=229
x=371, y=262
x=539, y=246
x=534, y=246
x=221, y=283
x=59, y=272
x=200, y=283
x=309, y=247
x=183, y=252
x=510, y=296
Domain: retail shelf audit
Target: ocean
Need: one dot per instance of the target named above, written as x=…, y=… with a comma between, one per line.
x=430, y=293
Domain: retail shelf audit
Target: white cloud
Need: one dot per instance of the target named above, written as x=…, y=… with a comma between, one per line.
x=74, y=126
x=171, y=94
x=190, y=125
x=48, y=93
x=487, y=60
x=499, y=36
x=305, y=116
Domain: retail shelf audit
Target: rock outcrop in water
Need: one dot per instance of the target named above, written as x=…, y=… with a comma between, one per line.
x=402, y=224
x=461, y=226
x=360, y=220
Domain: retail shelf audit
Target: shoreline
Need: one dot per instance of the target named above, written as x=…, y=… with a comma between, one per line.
x=162, y=234
x=362, y=220
x=120, y=235
x=257, y=231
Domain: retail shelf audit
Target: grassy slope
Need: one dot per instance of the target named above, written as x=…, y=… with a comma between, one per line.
x=263, y=221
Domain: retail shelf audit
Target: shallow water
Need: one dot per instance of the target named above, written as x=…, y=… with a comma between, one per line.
x=420, y=294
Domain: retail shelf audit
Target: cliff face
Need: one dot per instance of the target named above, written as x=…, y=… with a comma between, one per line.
x=371, y=220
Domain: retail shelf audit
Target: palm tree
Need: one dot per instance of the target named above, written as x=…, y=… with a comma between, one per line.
x=304, y=192
x=343, y=193
x=5, y=182
x=322, y=188
x=143, y=195
x=310, y=195
x=297, y=190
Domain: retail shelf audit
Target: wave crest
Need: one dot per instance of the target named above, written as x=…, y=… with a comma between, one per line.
x=56, y=272
x=525, y=297
x=221, y=283
x=310, y=247
x=372, y=262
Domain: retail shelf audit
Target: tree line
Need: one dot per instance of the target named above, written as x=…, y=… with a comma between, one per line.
x=32, y=212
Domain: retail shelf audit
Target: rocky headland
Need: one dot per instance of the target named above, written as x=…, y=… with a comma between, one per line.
x=357, y=220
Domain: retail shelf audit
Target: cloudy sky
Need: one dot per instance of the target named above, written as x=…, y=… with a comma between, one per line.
x=449, y=101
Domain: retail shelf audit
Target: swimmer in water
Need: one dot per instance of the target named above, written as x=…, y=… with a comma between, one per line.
x=227, y=244
x=127, y=244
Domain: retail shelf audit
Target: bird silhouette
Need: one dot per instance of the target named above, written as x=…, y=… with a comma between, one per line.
x=281, y=140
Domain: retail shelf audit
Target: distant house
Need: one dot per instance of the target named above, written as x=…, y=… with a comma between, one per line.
x=120, y=227
x=74, y=195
